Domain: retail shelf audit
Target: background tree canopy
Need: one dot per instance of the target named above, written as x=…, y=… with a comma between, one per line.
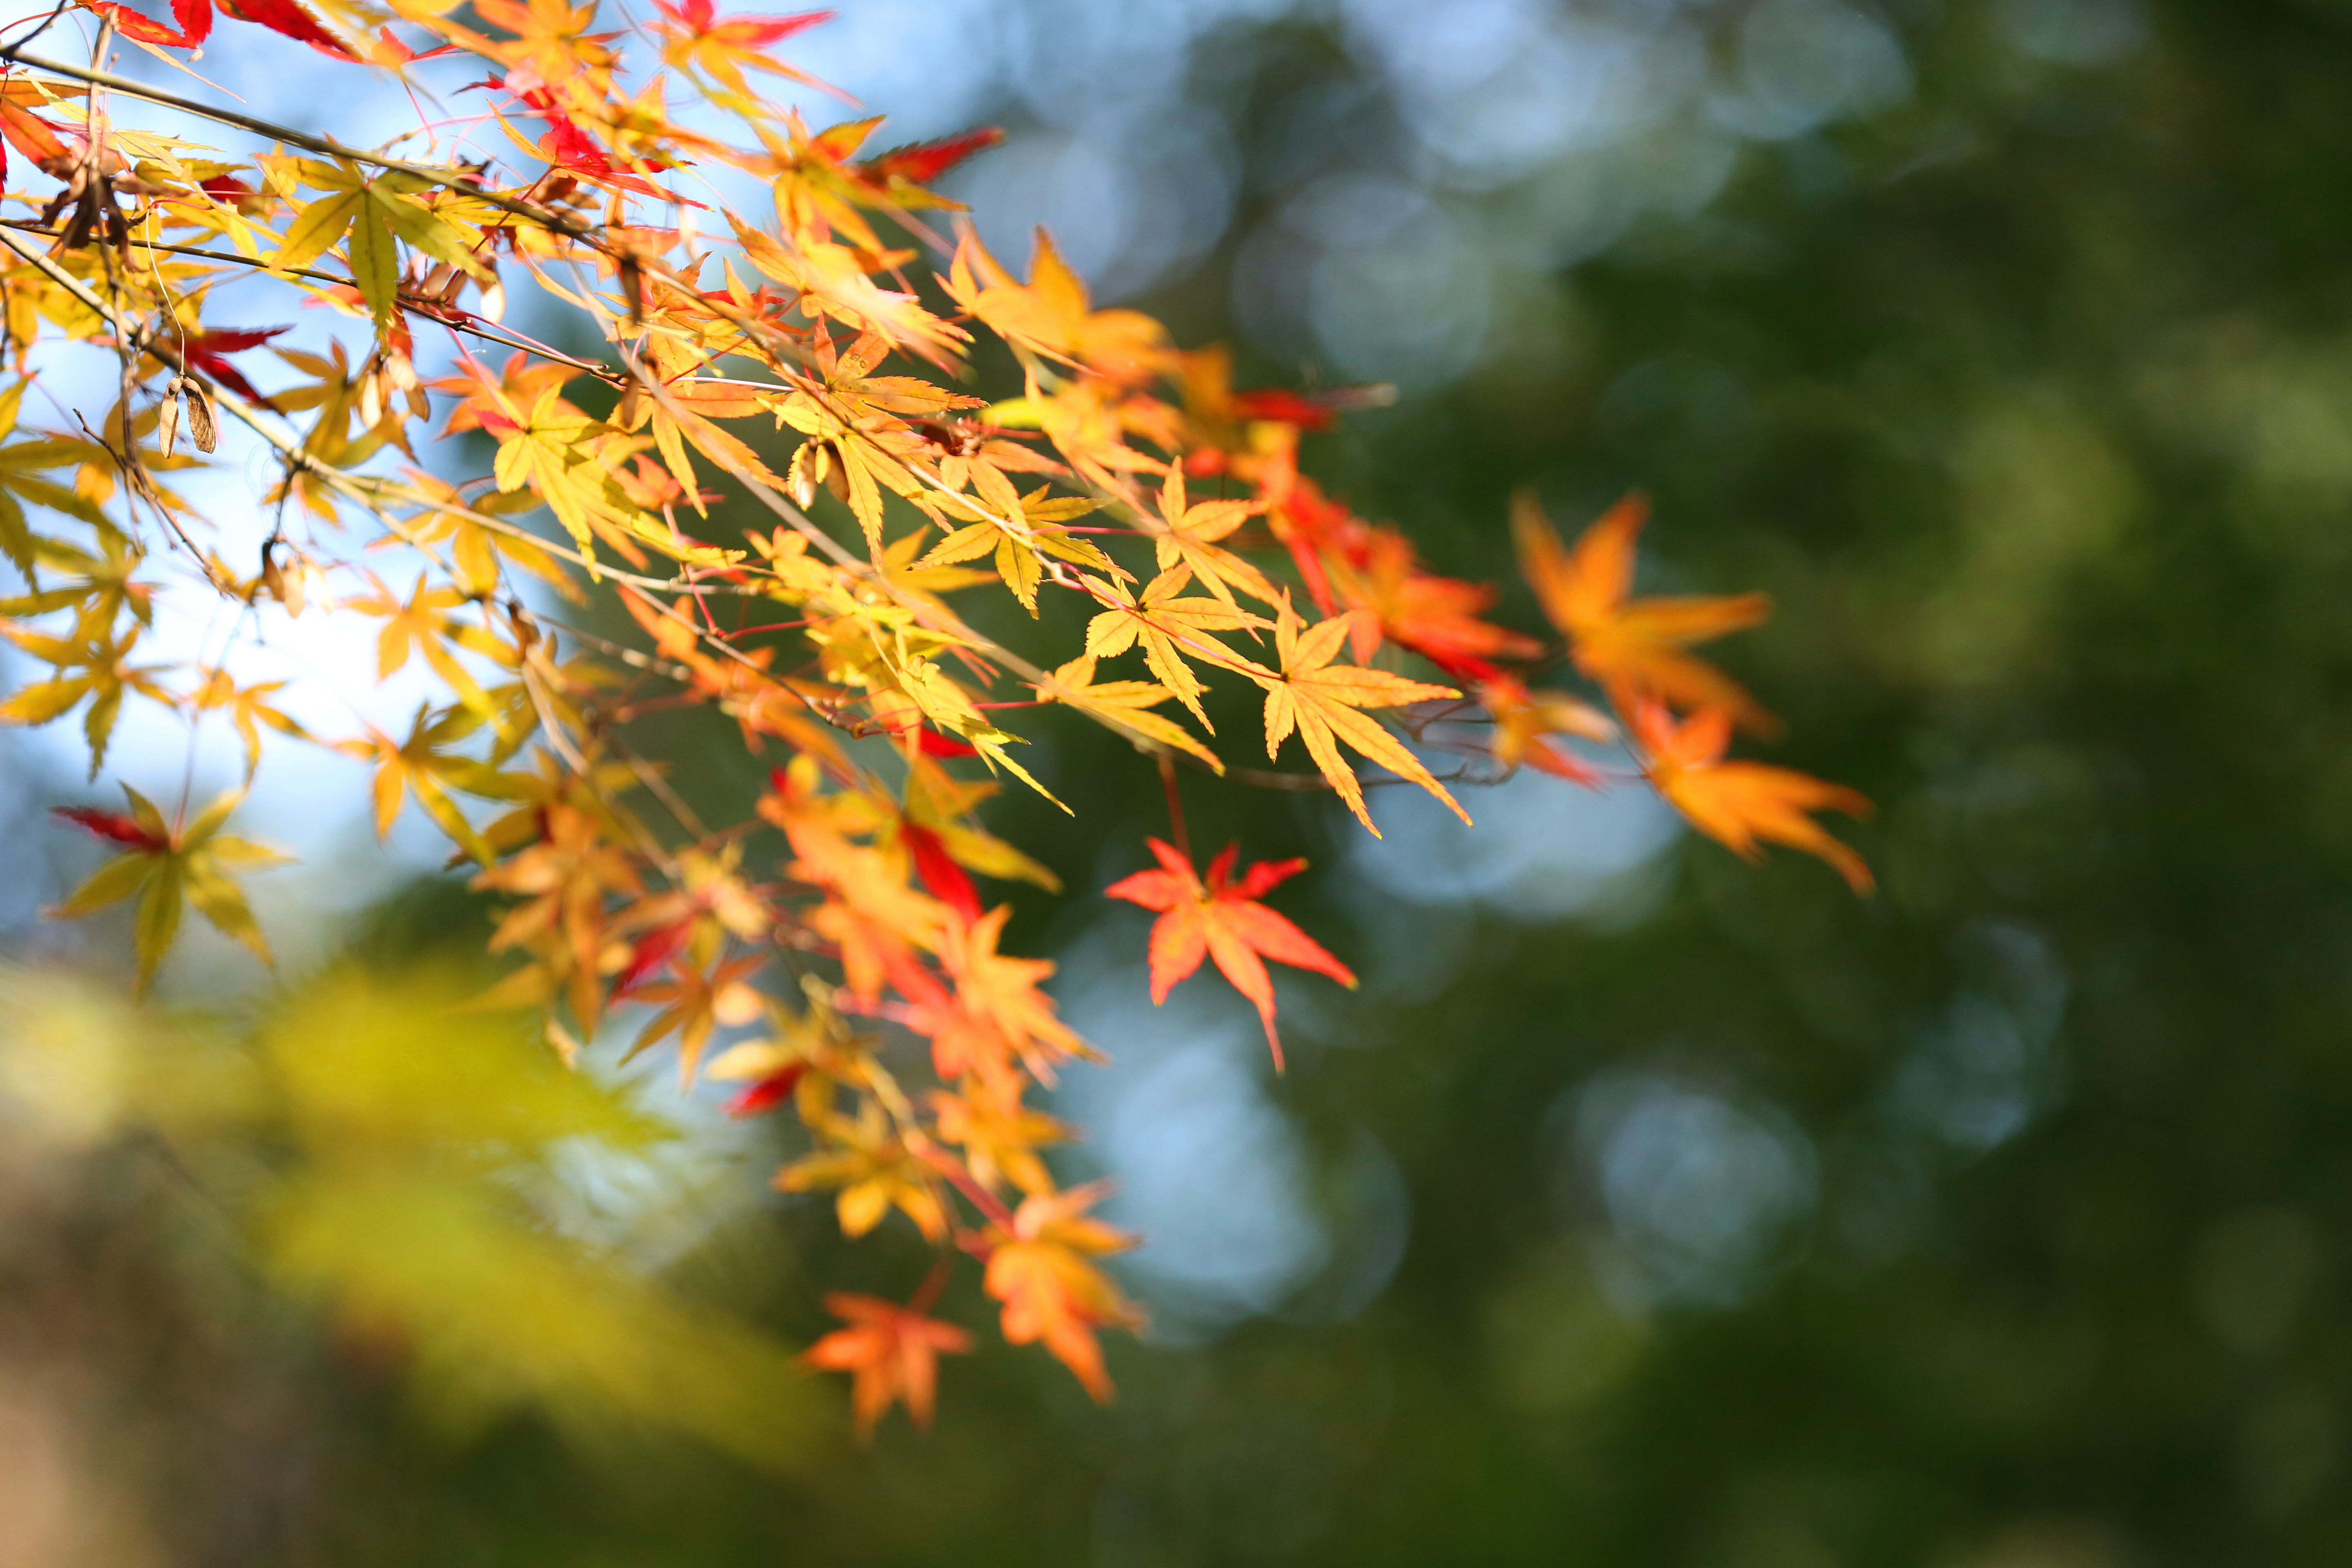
x=1642, y=1207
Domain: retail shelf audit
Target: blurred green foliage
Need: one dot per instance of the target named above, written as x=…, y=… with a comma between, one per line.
x=2029, y=399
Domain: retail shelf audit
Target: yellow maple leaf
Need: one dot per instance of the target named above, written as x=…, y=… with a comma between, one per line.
x=1188, y=534
x=1324, y=702
x=1170, y=629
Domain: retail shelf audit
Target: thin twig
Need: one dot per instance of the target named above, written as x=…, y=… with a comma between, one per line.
x=1175, y=806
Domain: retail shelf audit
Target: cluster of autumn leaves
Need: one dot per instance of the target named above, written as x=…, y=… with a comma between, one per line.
x=846, y=919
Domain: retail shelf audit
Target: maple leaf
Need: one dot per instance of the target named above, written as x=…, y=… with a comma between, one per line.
x=940, y=804
x=208, y=353
x=997, y=1013
x=947, y=880
x=420, y=625
x=1324, y=702
x=169, y=867
x=1122, y=705
x=1171, y=628
x=546, y=452
x=874, y=1174
x=1524, y=720
x=818, y=189
x=21, y=481
x=1630, y=645
x=1188, y=534
x=1220, y=918
x=1220, y=414
x=103, y=587
x=495, y=406
x=694, y=38
x=891, y=1350
x=693, y=1004
x=104, y=673
x=923, y=161
x=1436, y=617
x=474, y=547
x=422, y=764
x=36, y=138
x=833, y=279
x=1740, y=803
x=870, y=913
x=1051, y=1292
x=1020, y=529
x=562, y=880
x=375, y=212
x=802, y=1043
x=999, y=1134
x=249, y=708
x=195, y=23
x=553, y=37
x=1051, y=313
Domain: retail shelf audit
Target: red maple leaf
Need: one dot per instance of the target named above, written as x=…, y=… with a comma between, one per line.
x=763, y=1095
x=1285, y=408
x=36, y=138
x=1436, y=617
x=112, y=826
x=650, y=952
x=924, y=161
x=942, y=878
x=209, y=351
x=195, y=23
x=932, y=744
x=1221, y=919
x=700, y=19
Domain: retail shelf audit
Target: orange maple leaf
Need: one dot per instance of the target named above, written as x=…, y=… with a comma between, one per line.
x=1524, y=720
x=1051, y=1292
x=1437, y=617
x=693, y=35
x=1221, y=919
x=892, y=1352
x=1633, y=647
x=997, y=1013
x=1325, y=702
x=1740, y=803
x=497, y=405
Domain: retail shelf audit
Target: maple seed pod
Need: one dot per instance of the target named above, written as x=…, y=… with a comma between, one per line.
x=167, y=417
x=204, y=417
x=809, y=467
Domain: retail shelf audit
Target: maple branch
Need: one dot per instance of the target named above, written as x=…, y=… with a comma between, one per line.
x=473, y=328
x=357, y=488
x=456, y=178
x=621, y=651
x=27, y=225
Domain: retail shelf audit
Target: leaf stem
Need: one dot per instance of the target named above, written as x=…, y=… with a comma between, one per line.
x=1175, y=806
